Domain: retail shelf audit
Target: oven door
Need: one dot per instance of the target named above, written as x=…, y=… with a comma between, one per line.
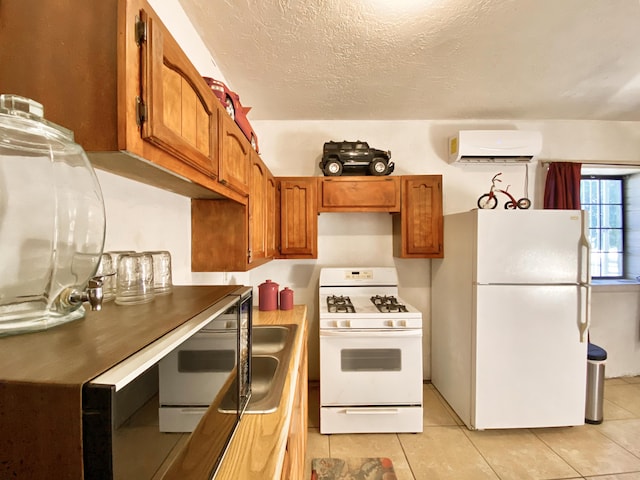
x=370, y=367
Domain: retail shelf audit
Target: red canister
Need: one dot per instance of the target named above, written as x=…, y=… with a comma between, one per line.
x=268, y=296
x=286, y=299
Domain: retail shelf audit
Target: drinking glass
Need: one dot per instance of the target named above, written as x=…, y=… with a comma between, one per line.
x=115, y=257
x=134, y=282
x=161, y=272
x=108, y=273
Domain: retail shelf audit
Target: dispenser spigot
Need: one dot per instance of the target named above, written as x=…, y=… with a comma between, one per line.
x=92, y=294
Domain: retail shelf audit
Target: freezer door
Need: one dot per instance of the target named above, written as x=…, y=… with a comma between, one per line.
x=530, y=246
x=530, y=366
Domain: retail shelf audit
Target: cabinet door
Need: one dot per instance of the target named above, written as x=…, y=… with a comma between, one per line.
x=234, y=155
x=257, y=209
x=417, y=230
x=359, y=194
x=298, y=217
x=219, y=240
x=178, y=112
x=272, y=214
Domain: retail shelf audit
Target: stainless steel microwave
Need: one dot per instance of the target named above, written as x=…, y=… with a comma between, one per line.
x=217, y=361
x=137, y=424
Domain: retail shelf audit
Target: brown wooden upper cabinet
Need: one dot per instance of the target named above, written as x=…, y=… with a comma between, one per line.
x=359, y=194
x=231, y=236
x=112, y=73
x=273, y=216
x=417, y=229
x=258, y=210
x=298, y=235
x=219, y=236
x=234, y=155
x=176, y=112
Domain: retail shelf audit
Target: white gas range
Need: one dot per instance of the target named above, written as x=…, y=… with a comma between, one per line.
x=370, y=353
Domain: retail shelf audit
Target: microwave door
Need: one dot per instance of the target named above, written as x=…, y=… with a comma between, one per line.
x=216, y=425
x=192, y=374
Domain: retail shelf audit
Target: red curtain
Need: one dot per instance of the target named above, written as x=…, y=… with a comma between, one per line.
x=562, y=187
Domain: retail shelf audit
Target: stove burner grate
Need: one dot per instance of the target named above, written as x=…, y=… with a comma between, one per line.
x=340, y=304
x=388, y=304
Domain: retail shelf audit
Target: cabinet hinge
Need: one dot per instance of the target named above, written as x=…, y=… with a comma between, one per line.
x=249, y=257
x=141, y=31
x=141, y=111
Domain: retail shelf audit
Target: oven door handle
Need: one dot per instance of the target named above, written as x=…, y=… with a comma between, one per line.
x=386, y=333
x=372, y=411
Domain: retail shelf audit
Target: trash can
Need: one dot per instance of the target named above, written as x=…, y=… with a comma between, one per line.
x=596, y=360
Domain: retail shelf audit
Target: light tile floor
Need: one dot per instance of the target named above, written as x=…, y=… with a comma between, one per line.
x=447, y=450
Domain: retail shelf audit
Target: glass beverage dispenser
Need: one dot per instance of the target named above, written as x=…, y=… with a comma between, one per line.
x=52, y=221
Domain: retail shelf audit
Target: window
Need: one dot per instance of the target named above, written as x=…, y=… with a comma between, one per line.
x=603, y=198
x=611, y=195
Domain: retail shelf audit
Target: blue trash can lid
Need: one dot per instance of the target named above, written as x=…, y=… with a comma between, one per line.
x=596, y=353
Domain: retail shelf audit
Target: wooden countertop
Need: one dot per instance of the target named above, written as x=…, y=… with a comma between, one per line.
x=76, y=352
x=42, y=373
x=41, y=369
x=257, y=449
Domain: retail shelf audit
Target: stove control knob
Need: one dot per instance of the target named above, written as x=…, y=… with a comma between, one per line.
x=389, y=323
x=347, y=324
x=336, y=324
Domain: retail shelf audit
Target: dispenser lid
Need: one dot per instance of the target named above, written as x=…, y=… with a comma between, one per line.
x=17, y=107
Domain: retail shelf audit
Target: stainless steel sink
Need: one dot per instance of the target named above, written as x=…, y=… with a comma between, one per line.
x=272, y=348
x=263, y=380
x=268, y=339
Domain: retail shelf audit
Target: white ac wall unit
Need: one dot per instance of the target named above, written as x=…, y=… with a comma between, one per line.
x=494, y=146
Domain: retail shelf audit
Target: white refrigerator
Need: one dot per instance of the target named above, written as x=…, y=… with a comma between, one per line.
x=510, y=315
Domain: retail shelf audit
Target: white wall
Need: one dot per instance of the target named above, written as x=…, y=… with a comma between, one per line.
x=615, y=326
x=142, y=218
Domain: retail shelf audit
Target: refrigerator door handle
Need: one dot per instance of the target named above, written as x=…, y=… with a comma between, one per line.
x=584, y=313
x=585, y=254
x=585, y=281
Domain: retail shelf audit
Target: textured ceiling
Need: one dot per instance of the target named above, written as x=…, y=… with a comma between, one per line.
x=427, y=59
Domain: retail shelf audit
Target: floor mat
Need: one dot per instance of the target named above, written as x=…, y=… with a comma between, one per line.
x=352, y=469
